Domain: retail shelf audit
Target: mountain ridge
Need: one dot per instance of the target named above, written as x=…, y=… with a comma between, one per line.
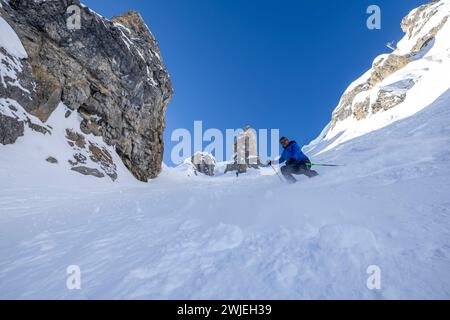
x=389, y=91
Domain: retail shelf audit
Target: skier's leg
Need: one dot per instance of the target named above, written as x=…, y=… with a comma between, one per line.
x=311, y=173
x=287, y=173
x=305, y=169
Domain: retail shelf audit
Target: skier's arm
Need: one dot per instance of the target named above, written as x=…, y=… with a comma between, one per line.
x=287, y=155
x=278, y=161
x=281, y=159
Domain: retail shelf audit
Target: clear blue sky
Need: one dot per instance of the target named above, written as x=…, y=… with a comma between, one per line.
x=268, y=63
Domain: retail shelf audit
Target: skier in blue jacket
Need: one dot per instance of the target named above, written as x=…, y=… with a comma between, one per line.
x=296, y=161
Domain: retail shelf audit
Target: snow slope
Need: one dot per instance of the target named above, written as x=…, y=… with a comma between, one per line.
x=24, y=161
x=246, y=237
x=10, y=41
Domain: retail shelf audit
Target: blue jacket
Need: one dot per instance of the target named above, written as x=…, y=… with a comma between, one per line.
x=294, y=152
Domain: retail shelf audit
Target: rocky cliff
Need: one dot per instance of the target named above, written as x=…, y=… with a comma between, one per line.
x=108, y=73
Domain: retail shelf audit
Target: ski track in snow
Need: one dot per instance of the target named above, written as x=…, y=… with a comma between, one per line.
x=248, y=237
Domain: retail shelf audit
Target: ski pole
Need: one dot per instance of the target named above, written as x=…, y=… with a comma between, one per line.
x=326, y=165
x=277, y=173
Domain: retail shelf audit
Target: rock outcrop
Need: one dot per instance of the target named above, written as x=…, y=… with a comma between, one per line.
x=110, y=72
x=203, y=163
x=371, y=94
x=385, y=66
x=10, y=129
x=245, y=152
x=399, y=84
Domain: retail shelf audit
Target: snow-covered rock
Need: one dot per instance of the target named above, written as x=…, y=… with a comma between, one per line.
x=55, y=148
x=399, y=84
x=199, y=164
x=204, y=163
x=245, y=152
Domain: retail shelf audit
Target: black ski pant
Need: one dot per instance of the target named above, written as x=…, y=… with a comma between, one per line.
x=303, y=167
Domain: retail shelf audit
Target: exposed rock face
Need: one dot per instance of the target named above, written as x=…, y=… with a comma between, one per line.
x=414, y=23
x=10, y=129
x=423, y=41
x=203, y=163
x=104, y=159
x=88, y=171
x=345, y=104
x=75, y=139
x=387, y=100
x=97, y=154
x=384, y=67
x=51, y=160
x=372, y=94
x=361, y=110
x=110, y=71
